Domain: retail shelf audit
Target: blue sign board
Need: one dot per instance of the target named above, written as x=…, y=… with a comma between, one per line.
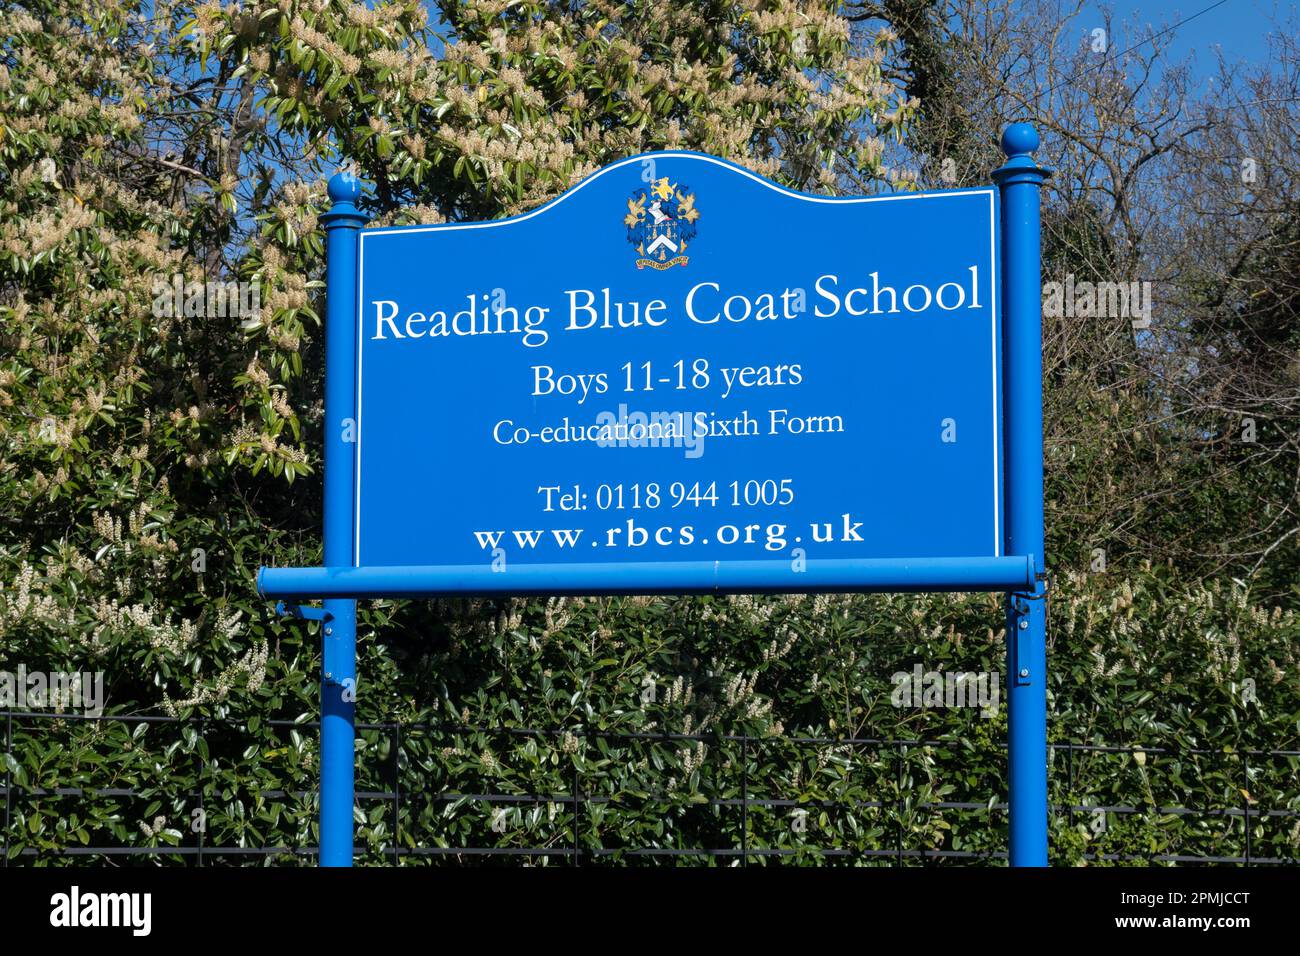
x=680, y=361
x=679, y=376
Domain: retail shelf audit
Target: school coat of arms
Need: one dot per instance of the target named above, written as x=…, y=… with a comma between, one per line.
x=661, y=222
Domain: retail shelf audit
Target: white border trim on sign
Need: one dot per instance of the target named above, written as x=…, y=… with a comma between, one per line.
x=994, y=277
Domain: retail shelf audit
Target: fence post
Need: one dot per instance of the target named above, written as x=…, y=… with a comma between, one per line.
x=1245, y=803
x=203, y=803
x=9, y=779
x=901, y=767
x=744, y=800
x=1069, y=784
x=339, y=664
x=577, y=799
x=1019, y=183
x=397, y=793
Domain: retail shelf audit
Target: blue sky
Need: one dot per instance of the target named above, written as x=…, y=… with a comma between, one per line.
x=1237, y=28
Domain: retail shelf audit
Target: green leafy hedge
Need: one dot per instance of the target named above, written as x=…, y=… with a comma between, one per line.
x=664, y=713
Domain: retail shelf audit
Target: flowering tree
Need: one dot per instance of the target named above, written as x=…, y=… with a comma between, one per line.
x=155, y=153
x=162, y=167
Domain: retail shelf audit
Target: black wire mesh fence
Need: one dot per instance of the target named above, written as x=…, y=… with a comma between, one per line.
x=892, y=802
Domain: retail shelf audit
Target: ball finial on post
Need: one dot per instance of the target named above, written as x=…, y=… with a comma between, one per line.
x=344, y=186
x=1019, y=139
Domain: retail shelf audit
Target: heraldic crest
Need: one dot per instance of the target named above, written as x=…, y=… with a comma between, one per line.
x=661, y=222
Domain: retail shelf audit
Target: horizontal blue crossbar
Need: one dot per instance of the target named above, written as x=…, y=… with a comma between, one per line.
x=1012, y=573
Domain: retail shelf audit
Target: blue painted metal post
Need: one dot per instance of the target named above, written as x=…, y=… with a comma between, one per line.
x=339, y=659
x=1020, y=181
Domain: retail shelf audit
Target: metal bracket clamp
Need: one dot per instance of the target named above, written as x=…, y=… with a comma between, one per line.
x=1020, y=609
x=302, y=612
x=1020, y=675
x=306, y=613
